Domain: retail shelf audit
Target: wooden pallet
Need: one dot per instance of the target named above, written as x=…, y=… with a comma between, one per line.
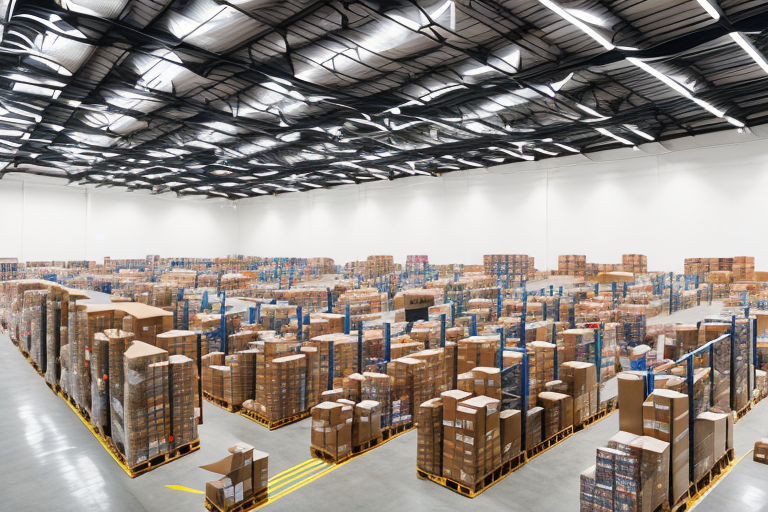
x=599, y=415
x=251, y=503
x=369, y=445
x=328, y=457
x=706, y=481
x=737, y=415
x=481, y=485
x=273, y=424
x=220, y=403
x=549, y=443
x=392, y=432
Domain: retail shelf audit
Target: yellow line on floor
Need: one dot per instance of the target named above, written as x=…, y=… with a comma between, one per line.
x=312, y=470
x=185, y=489
x=295, y=469
x=727, y=470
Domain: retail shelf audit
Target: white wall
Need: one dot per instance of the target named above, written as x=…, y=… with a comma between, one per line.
x=702, y=196
x=54, y=222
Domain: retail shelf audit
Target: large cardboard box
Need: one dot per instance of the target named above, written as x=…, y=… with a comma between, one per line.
x=760, y=453
x=245, y=473
x=631, y=397
x=665, y=417
x=558, y=412
x=511, y=427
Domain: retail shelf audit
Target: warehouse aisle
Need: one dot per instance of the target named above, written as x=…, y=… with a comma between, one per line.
x=48, y=443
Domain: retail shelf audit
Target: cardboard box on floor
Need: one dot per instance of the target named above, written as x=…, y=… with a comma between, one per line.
x=245, y=474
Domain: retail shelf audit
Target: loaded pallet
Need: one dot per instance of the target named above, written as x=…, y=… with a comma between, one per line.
x=387, y=434
x=251, y=503
x=743, y=411
x=698, y=489
x=220, y=403
x=273, y=424
x=31, y=362
x=490, y=479
x=611, y=407
x=546, y=444
x=106, y=441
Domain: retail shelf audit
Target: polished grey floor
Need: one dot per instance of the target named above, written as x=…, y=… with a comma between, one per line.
x=50, y=461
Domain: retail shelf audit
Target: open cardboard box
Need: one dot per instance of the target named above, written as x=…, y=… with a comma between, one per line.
x=245, y=474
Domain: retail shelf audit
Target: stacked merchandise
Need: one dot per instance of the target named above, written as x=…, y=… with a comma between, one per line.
x=571, y=265
x=609, y=348
x=332, y=429
x=686, y=340
x=471, y=436
x=376, y=387
x=511, y=380
x=429, y=441
x=416, y=264
x=78, y=384
x=275, y=317
x=477, y=351
x=9, y=269
x=283, y=392
x=407, y=381
x=33, y=318
x=558, y=412
x=183, y=343
x=310, y=299
x=377, y=266
x=146, y=415
x=742, y=360
x=541, y=369
x=182, y=373
x=240, y=340
x=245, y=475
x=577, y=345
x=743, y=268
x=633, y=323
x=118, y=343
x=508, y=266
x=665, y=417
x=635, y=263
x=367, y=422
x=580, y=380
x=631, y=474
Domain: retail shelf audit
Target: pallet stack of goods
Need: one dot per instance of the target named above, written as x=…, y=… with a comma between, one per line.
x=415, y=264
x=9, y=269
x=744, y=268
x=635, y=263
x=508, y=266
x=377, y=266
x=571, y=265
x=243, y=485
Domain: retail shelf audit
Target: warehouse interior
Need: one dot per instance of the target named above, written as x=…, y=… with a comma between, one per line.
x=490, y=254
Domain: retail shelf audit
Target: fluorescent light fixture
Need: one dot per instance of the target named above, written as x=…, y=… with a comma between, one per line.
x=614, y=136
x=734, y=122
x=591, y=112
x=580, y=24
x=546, y=152
x=636, y=131
x=313, y=185
x=706, y=106
x=478, y=71
x=751, y=50
x=661, y=76
x=467, y=162
x=711, y=10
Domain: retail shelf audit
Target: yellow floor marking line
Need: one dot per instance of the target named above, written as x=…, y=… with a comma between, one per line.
x=727, y=470
x=97, y=436
x=311, y=463
x=185, y=489
x=304, y=474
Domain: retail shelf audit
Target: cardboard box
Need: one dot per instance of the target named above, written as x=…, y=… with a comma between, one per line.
x=631, y=397
x=558, y=412
x=511, y=430
x=760, y=453
x=665, y=417
x=245, y=474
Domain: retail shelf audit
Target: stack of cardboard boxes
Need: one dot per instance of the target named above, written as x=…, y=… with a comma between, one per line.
x=541, y=368
x=580, y=380
x=246, y=473
x=332, y=429
x=429, y=443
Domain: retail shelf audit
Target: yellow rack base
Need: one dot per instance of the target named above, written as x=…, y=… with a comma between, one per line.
x=386, y=435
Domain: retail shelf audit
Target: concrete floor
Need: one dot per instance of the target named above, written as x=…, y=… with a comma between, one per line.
x=42, y=441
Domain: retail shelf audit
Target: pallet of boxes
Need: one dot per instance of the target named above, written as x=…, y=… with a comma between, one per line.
x=243, y=485
x=646, y=465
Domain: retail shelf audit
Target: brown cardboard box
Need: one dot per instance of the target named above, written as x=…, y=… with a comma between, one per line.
x=429, y=455
x=760, y=453
x=558, y=412
x=487, y=381
x=245, y=472
x=720, y=431
x=489, y=439
x=511, y=426
x=665, y=417
x=452, y=437
x=631, y=396
x=533, y=427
